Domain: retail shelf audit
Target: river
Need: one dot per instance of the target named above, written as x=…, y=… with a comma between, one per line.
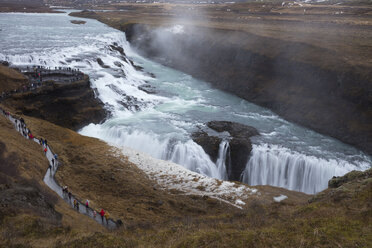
x=160, y=124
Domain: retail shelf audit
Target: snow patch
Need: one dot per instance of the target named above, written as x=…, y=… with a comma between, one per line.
x=171, y=176
x=280, y=198
x=239, y=202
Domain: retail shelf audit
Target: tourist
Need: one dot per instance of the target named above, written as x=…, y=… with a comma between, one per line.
x=64, y=190
x=46, y=142
x=45, y=150
x=69, y=195
x=94, y=214
x=77, y=206
x=53, y=162
x=107, y=216
x=87, y=204
x=74, y=203
x=102, y=213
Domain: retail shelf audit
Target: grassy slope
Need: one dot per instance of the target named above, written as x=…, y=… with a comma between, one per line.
x=10, y=79
x=32, y=218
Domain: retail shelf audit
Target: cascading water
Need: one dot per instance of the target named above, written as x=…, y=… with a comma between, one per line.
x=277, y=166
x=223, y=156
x=161, y=124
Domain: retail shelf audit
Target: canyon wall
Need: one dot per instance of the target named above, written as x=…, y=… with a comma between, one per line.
x=311, y=86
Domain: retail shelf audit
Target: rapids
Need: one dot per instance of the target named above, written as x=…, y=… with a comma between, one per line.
x=160, y=123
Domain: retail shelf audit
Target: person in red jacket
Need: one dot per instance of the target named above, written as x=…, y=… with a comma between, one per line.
x=102, y=213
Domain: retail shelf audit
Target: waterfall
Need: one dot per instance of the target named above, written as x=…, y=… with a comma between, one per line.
x=223, y=156
x=278, y=166
x=186, y=153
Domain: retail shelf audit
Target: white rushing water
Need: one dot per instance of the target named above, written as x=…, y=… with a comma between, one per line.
x=160, y=124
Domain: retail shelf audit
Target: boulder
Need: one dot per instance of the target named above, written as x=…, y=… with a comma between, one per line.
x=147, y=88
x=100, y=62
x=236, y=130
x=118, y=49
x=239, y=145
x=210, y=144
x=78, y=22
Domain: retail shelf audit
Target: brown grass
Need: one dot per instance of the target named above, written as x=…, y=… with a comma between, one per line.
x=10, y=79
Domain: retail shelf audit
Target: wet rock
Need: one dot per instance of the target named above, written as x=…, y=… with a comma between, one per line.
x=240, y=150
x=79, y=22
x=131, y=103
x=147, y=88
x=118, y=64
x=116, y=89
x=151, y=74
x=236, y=130
x=210, y=144
x=137, y=67
x=117, y=48
x=100, y=62
x=240, y=145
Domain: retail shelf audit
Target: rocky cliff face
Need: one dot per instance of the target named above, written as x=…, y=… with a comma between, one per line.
x=239, y=149
x=305, y=84
x=71, y=105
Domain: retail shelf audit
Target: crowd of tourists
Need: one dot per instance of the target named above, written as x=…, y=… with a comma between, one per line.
x=39, y=75
x=76, y=204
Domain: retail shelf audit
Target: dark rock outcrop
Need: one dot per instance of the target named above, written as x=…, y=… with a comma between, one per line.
x=239, y=145
x=336, y=182
x=78, y=22
x=147, y=88
x=100, y=62
x=209, y=143
x=353, y=189
x=71, y=105
x=115, y=47
x=236, y=130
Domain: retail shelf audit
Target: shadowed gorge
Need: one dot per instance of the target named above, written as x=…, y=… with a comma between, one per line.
x=332, y=97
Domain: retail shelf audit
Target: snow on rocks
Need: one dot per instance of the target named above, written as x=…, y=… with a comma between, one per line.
x=171, y=176
x=280, y=198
